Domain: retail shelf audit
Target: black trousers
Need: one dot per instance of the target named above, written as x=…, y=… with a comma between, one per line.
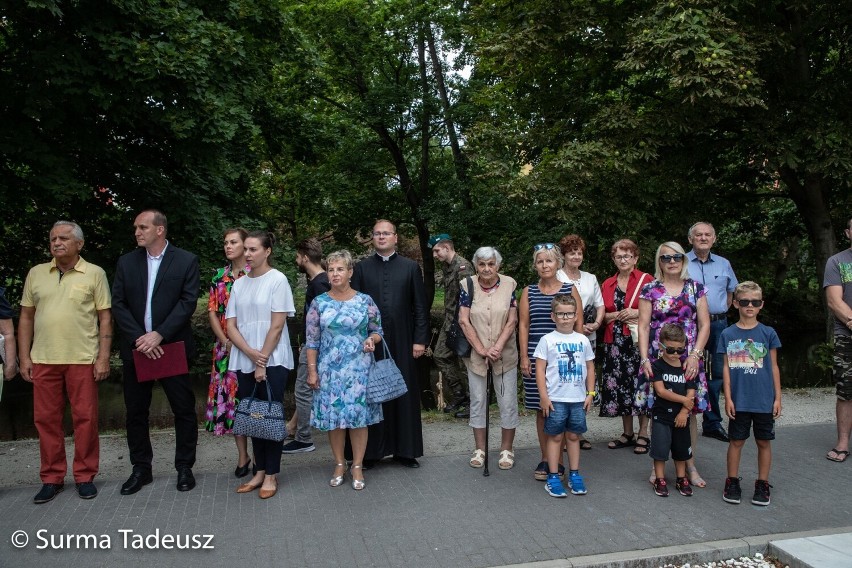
x=137, y=400
x=267, y=453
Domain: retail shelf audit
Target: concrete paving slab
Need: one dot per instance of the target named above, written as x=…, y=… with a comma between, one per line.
x=827, y=551
x=443, y=514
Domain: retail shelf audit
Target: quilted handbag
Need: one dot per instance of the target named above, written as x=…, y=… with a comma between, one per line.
x=260, y=418
x=385, y=381
x=456, y=340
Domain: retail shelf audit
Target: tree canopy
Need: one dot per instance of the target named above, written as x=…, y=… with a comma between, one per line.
x=502, y=123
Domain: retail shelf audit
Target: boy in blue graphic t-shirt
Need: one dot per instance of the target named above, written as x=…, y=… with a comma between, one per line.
x=752, y=386
x=565, y=376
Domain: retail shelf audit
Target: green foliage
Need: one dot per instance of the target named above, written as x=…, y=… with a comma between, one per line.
x=109, y=107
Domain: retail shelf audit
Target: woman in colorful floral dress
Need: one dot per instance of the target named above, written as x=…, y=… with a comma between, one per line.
x=674, y=298
x=222, y=393
x=343, y=327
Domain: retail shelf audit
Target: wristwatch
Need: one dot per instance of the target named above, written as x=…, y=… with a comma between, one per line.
x=591, y=393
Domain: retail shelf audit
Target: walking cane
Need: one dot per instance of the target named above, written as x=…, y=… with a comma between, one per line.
x=489, y=378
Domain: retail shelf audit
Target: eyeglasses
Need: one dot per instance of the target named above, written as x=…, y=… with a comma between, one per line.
x=565, y=315
x=547, y=246
x=623, y=257
x=383, y=234
x=669, y=258
x=745, y=303
x=674, y=350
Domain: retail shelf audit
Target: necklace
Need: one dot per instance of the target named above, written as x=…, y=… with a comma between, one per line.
x=487, y=289
x=552, y=288
x=340, y=296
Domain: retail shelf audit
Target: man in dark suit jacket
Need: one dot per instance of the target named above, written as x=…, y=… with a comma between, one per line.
x=155, y=291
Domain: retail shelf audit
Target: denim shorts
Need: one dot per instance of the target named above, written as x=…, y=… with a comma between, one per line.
x=565, y=417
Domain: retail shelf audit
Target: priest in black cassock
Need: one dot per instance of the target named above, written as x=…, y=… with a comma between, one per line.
x=396, y=285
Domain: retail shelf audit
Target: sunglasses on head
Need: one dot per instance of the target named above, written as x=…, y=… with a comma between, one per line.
x=547, y=246
x=667, y=258
x=745, y=303
x=674, y=350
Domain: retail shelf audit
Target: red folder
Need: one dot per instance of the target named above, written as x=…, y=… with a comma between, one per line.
x=172, y=363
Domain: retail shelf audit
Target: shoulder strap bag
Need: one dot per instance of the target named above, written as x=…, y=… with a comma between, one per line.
x=385, y=381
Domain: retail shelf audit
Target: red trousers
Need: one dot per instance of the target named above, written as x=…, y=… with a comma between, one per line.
x=50, y=383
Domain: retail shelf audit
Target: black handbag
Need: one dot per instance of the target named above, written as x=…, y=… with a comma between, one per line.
x=456, y=340
x=260, y=418
x=385, y=381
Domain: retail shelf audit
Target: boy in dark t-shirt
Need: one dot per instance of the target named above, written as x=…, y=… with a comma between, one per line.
x=670, y=413
x=752, y=385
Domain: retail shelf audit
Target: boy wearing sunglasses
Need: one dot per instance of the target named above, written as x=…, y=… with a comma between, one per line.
x=752, y=387
x=670, y=413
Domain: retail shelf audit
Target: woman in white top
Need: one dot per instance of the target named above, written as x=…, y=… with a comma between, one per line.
x=573, y=247
x=257, y=325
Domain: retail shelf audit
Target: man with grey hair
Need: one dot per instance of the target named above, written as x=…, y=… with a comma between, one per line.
x=64, y=337
x=719, y=281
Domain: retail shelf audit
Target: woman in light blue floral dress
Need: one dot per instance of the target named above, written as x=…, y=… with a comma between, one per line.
x=343, y=328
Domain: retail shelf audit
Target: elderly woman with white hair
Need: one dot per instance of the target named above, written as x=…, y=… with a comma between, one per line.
x=488, y=314
x=534, y=322
x=674, y=298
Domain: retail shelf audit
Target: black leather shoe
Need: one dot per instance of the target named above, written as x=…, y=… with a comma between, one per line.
x=243, y=470
x=185, y=481
x=407, y=462
x=463, y=413
x=719, y=434
x=137, y=480
x=48, y=492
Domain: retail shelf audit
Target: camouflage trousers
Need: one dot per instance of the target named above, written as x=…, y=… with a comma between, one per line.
x=451, y=366
x=843, y=366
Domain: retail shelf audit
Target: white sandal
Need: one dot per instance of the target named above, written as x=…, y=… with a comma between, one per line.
x=478, y=458
x=507, y=459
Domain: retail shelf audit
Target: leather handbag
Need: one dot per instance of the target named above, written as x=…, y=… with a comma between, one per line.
x=456, y=340
x=384, y=381
x=260, y=418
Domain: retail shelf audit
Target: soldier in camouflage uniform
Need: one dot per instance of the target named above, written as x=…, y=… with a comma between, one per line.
x=455, y=268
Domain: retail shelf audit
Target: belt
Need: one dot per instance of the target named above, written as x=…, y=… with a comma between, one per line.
x=717, y=317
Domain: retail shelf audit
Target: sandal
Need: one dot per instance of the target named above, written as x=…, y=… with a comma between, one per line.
x=585, y=444
x=507, y=459
x=478, y=458
x=629, y=440
x=642, y=448
x=839, y=455
x=694, y=478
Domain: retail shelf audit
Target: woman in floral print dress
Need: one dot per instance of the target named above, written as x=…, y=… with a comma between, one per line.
x=674, y=298
x=222, y=393
x=343, y=327
x=621, y=354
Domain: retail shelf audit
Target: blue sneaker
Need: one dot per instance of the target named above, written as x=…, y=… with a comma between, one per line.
x=554, y=486
x=575, y=482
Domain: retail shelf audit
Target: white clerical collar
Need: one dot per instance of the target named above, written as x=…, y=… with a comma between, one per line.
x=386, y=258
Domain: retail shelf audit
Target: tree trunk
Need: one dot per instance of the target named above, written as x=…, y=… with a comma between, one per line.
x=811, y=199
x=459, y=158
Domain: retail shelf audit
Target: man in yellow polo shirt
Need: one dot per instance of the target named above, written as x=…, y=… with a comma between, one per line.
x=64, y=338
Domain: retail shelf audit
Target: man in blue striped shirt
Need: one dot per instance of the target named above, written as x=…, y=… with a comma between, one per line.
x=719, y=281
